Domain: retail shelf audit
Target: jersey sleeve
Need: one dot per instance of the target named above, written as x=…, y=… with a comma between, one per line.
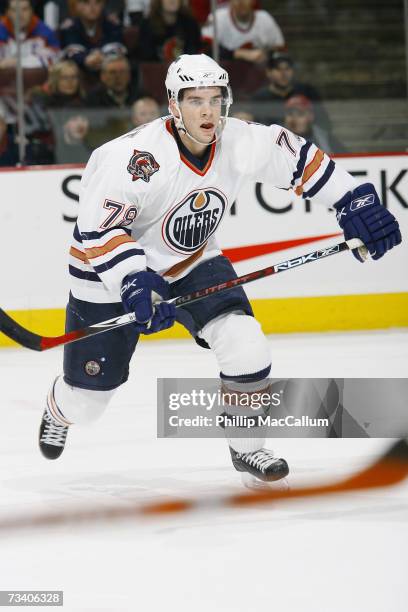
x=277, y=156
x=109, y=204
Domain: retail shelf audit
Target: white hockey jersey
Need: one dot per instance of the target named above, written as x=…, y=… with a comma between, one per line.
x=145, y=202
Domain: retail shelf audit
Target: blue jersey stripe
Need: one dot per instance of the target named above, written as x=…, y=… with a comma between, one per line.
x=77, y=235
x=248, y=378
x=97, y=235
x=321, y=182
x=118, y=259
x=301, y=163
x=88, y=276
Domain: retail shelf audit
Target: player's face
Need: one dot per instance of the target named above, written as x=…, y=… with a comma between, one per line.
x=201, y=110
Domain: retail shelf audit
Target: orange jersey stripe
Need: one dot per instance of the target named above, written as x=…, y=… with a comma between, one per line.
x=183, y=265
x=109, y=246
x=78, y=254
x=310, y=169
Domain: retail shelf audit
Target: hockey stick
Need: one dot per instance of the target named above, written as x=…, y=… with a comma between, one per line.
x=388, y=470
x=35, y=342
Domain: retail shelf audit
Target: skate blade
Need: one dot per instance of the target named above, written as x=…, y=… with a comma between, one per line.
x=254, y=484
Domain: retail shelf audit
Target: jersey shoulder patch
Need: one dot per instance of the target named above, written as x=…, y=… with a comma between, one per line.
x=142, y=165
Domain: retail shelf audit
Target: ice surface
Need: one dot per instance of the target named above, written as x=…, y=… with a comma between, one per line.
x=328, y=555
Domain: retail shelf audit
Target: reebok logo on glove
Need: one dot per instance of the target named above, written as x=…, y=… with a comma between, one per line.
x=361, y=202
x=127, y=286
x=139, y=289
x=341, y=213
x=361, y=215
x=136, y=292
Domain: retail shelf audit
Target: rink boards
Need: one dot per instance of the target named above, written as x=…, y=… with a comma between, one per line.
x=264, y=226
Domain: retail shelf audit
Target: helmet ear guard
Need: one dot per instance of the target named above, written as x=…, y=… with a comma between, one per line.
x=178, y=121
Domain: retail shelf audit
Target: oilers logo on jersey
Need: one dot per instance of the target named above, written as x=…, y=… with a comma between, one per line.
x=142, y=165
x=190, y=223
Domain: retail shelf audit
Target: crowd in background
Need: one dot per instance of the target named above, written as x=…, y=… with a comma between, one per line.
x=83, y=55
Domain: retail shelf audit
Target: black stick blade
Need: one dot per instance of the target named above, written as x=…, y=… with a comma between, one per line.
x=22, y=336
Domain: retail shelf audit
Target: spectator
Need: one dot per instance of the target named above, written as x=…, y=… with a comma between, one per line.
x=38, y=135
x=243, y=32
x=75, y=129
x=62, y=89
x=80, y=136
x=39, y=44
x=201, y=9
x=70, y=131
x=144, y=110
x=280, y=73
x=55, y=12
x=168, y=31
x=8, y=145
x=300, y=119
x=281, y=86
x=115, y=87
x=96, y=136
x=90, y=36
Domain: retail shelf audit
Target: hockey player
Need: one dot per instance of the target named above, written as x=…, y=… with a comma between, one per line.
x=151, y=202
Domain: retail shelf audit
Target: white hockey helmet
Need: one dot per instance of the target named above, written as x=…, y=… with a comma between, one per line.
x=190, y=71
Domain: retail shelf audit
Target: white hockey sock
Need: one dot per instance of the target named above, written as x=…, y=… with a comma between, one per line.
x=52, y=407
x=245, y=393
x=246, y=445
x=68, y=405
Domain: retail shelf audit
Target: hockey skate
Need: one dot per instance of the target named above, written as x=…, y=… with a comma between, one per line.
x=260, y=469
x=52, y=436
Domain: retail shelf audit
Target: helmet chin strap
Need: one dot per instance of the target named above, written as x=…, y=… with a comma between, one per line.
x=182, y=128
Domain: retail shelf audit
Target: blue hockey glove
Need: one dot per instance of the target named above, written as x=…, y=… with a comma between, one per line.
x=138, y=295
x=361, y=215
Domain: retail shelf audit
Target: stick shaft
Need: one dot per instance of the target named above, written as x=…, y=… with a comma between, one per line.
x=35, y=342
x=283, y=266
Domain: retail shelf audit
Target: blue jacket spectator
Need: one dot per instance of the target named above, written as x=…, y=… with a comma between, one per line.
x=91, y=36
x=39, y=46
